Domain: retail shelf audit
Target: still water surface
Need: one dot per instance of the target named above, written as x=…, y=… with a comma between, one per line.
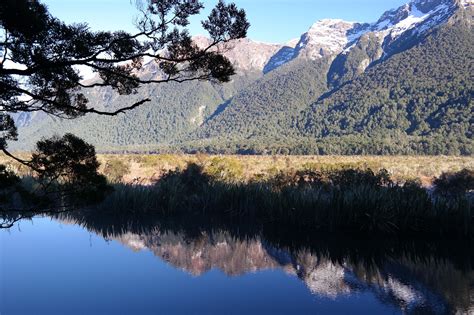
x=56, y=267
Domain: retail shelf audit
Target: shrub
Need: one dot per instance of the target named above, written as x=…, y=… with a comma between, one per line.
x=7, y=178
x=340, y=178
x=458, y=183
x=226, y=169
x=355, y=177
x=116, y=169
x=351, y=201
x=8, y=184
x=68, y=166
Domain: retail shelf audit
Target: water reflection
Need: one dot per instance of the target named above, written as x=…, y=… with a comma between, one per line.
x=415, y=277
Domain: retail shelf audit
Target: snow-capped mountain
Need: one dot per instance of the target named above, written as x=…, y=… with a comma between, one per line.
x=414, y=20
x=326, y=37
x=279, y=87
x=330, y=37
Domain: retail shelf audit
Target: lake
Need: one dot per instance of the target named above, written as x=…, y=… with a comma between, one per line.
x=56, y=266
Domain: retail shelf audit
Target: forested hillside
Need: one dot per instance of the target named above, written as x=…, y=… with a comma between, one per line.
x=423, y=96
x=417, y=101
x=402, y=85
x=265, y=108
x=175, y=110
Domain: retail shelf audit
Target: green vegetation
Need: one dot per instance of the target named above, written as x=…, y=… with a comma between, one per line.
x=265, y=109
x=171, y=114
x=150, y=168
x=415, y=101
x=116, y=169
x=64, y=175
x=330, y=201
x=456, y=184
x=225, y=169
x=358, y=195
x=418, y=101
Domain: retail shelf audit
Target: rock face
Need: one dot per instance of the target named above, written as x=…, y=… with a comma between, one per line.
x=248, y=55
x=325, y=38
x=245, y=54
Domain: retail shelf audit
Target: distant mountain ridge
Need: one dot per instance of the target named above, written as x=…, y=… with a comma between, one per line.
x=317, y=94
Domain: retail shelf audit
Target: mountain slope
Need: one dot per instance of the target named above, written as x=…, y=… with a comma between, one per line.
x=403, y=84
x=425, y=93
x=396, y=31
x=416, y=100
x=263, y=108
x=175, y=110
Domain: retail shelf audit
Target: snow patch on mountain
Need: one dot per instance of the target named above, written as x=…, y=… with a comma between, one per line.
x=403, y=25
x=411, y=15
x=331, y=37
x=415, y=16
x=292, y=43
x=283, y=56
x=325, y=37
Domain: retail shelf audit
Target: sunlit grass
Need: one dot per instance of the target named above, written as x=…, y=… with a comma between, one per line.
x=147, y=168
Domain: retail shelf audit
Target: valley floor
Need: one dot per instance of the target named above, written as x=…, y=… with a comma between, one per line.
x=146, y=169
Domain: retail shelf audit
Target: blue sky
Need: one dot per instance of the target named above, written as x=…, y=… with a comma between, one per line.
x=272, y=20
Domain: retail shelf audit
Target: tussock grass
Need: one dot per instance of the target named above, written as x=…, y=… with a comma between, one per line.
x=343, y=200
x=363, y=195
x=149, y=168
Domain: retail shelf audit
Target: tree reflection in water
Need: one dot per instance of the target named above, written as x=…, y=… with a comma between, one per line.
x=415, y=276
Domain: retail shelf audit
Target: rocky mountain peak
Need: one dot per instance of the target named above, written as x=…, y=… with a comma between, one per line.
x=245, y=54
x=324, y=38
x=418, y=12
x=327, y=37
x=426, y=6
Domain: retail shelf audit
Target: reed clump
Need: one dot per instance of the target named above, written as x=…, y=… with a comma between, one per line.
x=359, y=201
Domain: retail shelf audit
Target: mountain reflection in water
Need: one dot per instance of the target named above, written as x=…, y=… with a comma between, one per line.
x=217, y=268
x=414, y=277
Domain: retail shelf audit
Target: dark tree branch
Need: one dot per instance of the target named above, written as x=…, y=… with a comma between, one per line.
x=81, y=110
x=119, y=111
x=23, y=162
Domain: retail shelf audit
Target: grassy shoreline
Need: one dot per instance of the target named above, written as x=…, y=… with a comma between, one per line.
x=348, y=195
x=351, y=201
x=146, y=168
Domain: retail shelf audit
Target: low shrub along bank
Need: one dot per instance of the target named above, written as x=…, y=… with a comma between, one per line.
x=341, y=200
